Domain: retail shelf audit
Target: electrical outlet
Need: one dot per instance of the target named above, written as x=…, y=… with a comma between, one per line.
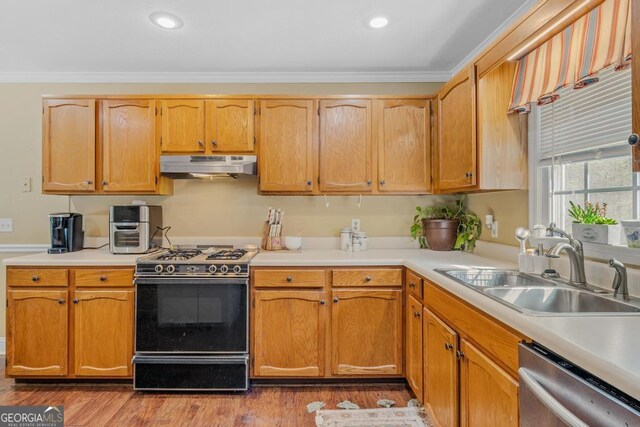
x=494, y=230
x=6, y=225
x=26, y=185
x=355, y=224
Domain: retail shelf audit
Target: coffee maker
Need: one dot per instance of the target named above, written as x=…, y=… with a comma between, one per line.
x=66, y=232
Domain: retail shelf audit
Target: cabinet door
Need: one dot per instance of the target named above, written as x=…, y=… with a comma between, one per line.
x=289, y=333
x=413, y=344
x=287, y=146
x=366, y=332
x=346, y=146
x=456, y=149
x=37, y=333
x=441, y=370
x=103, y=333
x=129, y=152
x=404, y=145
x=488, y=395
x=69, y=138
x=183, y=126
x=230, y=125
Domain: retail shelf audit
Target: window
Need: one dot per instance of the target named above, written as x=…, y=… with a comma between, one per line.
x=578, y=152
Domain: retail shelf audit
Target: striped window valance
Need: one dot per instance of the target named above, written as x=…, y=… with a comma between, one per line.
x=573, y=57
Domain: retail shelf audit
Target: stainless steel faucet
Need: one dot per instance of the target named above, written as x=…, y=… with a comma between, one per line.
x=573, y=250
x=620, y=285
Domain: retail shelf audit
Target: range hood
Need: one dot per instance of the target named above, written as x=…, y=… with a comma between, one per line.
x=207, y=167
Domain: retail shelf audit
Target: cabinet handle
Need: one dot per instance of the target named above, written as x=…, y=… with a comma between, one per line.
x=89, y=182
x=468, y=174
x=322, y=302
x=289, y=279
x=633, y=139
x=367, y=279
x=76, y=300
x=214, y=144
x=382, y=182
x=35, y=278
x=416, y=314
x=369, y=182
x=201, y=144
x=103, y=278
x=61, y=301
x=460, y=354
x=104, y=183
x=336, y=299
x=448, y=346
x=412, y=285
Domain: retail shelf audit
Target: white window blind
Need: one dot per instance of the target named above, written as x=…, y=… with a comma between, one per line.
x=594, y=117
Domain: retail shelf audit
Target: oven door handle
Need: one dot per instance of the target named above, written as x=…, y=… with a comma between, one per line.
x=548, y=400
x=191, y=280
x=193, y=360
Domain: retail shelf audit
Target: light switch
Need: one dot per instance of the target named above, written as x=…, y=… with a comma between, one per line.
x=6, y=225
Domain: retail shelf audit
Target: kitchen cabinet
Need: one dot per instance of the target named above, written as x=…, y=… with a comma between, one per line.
x=404, y=145
x=413, y=344
x=103, y=332
x=69, y=138
x=366, y=332
x=230, y=125
x=488, y=395
x=440, y=370
x=130, y=161
x=69, y=322
x=183, y=126
x=456, y=146
x=289, y=333
x=37, y=332
x=287, y=146
x=346, y=146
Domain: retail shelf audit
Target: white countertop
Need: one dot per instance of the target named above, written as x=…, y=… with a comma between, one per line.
x=606, y=346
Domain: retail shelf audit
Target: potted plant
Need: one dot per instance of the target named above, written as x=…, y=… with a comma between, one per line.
x=591, y=224
x=444, y=227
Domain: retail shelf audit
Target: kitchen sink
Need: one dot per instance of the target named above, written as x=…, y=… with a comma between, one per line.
x=539, y=296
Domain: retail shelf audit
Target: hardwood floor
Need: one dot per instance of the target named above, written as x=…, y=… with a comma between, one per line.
x=118, y=405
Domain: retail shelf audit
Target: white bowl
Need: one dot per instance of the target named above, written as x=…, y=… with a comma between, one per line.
x=293, y=242
x=631, y=230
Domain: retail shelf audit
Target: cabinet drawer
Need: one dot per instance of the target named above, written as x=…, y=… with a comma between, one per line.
x=103, y=277
x=414, y=284
x=367, y=277
x=288, y=278
x=37, y=277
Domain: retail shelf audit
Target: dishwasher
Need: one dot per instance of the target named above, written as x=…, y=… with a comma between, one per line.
x=554, y=392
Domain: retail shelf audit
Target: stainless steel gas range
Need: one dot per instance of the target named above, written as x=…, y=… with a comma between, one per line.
x=191, y=318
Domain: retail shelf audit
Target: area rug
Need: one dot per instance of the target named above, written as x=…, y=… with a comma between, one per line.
x=380, y=417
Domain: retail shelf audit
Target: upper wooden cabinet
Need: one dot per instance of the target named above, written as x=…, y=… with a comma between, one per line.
x=129, y=146
x=456, y=147
x=404, y=145
x=183, y=126
x=287, y=146
x=346, y=146
x=230, y=125
x=68, y=138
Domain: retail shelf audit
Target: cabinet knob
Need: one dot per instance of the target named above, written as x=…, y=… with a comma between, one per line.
x=214, y=144
x=89, y=182
x=289, y=279
x=369, y=182
x=104, y=183
x=412, y=285
x=309, y=182
x=416, y=314
x=460, y=354
x=448, y=346
x=367, y=279
x=35, y=278
x=322, y=302
x=336, y=299
x=634, y=139
x=201, y=144
x=76, y=300
x=382, y=182
x=468, y=174
x=61, y=301
x=103, y=278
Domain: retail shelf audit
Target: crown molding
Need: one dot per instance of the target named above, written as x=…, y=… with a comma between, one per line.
x=528, y=4
x=227, y=77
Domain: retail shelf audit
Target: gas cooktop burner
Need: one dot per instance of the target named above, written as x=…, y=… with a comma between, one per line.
x=179, y=255
x=227, y=254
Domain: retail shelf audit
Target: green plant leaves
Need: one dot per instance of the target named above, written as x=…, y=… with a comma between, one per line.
x=590, y=214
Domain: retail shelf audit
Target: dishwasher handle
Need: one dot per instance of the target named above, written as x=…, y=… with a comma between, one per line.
x=548, y=400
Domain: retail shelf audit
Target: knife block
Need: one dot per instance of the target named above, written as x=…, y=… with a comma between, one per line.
x=270, y=243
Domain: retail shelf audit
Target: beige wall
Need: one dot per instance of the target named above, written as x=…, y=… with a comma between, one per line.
x=509, y=208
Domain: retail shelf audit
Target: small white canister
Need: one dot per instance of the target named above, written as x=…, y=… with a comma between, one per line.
x=346, y=239
x=359, y=241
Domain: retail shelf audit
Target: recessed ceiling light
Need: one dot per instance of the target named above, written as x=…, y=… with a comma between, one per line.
x=378, y=22
x=166, y=20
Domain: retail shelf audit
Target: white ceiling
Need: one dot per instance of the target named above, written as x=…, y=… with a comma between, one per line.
x=245, y=40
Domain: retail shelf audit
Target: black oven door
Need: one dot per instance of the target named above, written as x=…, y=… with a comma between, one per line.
x=182, y=315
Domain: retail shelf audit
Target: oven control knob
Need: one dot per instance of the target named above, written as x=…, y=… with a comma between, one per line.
x=158, y=268
x=212, y=269
x=171, y=268
x=224, y=269
x=237, y=269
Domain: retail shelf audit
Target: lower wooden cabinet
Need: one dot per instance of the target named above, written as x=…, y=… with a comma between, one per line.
x=289, y=333
x=103, y=332
x=413, y=344
x=37, y=332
